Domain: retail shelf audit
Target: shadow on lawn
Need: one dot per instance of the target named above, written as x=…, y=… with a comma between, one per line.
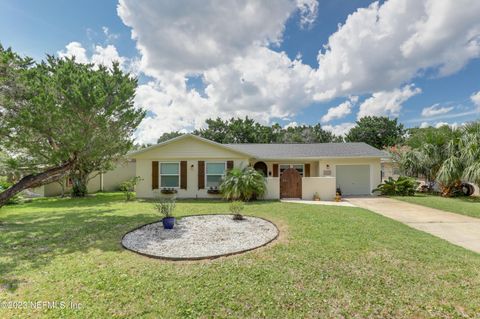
x=35, y=239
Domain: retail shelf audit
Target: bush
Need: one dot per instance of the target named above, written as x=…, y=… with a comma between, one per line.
x=165, y=206
x=128, y=187
x=3, y=186
x=243, y=184
x=403, y=186
x=236, y=208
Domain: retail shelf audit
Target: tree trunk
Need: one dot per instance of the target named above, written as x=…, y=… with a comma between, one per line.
x=34, y=180
x=79, y=183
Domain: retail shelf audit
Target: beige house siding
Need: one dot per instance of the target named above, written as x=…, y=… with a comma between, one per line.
x=188, y=149
x=273, y=188
x=112, y=179
x=324, y=186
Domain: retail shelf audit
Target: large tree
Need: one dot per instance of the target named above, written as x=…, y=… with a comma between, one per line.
x=60, y=117
x=379, y=132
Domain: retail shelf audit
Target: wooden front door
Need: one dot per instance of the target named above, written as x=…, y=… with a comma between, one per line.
x=290, y=184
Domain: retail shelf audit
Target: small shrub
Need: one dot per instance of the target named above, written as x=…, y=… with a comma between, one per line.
x=236, y=207
x=4, y=185
x=165, y=206
x=128, y=187
x=403, y=186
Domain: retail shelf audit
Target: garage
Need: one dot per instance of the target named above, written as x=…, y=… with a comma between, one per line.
x=353, y=179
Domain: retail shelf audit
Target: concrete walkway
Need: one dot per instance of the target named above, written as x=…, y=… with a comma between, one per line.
x=458, y=229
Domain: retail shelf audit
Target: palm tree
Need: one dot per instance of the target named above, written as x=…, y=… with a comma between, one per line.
x=448, y=156
x=243, y=184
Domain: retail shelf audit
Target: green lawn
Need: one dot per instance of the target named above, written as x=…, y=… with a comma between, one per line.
x=337, y=262
x=469, y=206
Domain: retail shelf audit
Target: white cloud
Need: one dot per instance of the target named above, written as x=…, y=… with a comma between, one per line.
x=451, y=125
x=101, y=55
x=385, y=45
x=193, y=36
x=74, y=49
x=340, y=129
x=291, y=124
x=308, y=12
x=476, y=99
x=377, y=50
x=424, y=125
x=436, y=109
x=340, y=111
x=387, y=103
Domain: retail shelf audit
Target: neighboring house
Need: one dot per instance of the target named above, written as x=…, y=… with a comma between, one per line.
x=108, y=181
x=390, y=168
x=193, y=165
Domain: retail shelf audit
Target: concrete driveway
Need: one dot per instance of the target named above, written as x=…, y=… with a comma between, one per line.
x=458, y=229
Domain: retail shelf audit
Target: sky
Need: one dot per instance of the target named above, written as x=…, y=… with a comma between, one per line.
x=291, y=62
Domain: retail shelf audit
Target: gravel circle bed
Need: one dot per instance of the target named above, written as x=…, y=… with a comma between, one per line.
x=201, y=236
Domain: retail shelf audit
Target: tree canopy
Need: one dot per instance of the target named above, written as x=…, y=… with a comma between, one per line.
x=376, y=131
x=59, y=116
x=247, y=130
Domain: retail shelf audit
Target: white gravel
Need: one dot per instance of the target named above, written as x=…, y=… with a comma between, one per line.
x=203, y=236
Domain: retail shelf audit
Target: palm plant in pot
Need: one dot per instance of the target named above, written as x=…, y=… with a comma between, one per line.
x=166, y=206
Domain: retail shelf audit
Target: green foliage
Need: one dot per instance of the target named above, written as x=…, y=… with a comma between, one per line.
x=236, y=207
x=402, y=186
x=237, y=130
x=243, y=184
x=168, y=136
x=128, y=187
x=60, y=111
x=445, y=155
x=13, y=200
x=379, y=132
x=165, y=206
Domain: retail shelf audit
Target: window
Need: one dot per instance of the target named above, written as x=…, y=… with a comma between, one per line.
x=298, y=167
x=214, y=174
x=169, y=174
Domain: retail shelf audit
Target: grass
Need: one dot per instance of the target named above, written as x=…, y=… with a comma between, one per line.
x=329, y=262
x=469, y=206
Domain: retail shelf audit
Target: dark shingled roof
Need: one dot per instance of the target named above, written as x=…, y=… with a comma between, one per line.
x=279, y=151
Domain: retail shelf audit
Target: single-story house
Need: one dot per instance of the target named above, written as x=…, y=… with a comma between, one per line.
x=194, y=167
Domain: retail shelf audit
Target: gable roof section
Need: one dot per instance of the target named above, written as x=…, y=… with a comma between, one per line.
x=185, y=136
x=317, y=150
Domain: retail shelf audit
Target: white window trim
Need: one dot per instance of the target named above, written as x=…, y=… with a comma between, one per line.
x=205, y=173
x=160, y=174
x=291, y=166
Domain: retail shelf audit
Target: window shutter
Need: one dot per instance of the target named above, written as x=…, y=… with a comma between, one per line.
x=307, y=170
x=154, y=174
x=183, y=174
x=229, y=165
x=201, y=174
x=275, y=170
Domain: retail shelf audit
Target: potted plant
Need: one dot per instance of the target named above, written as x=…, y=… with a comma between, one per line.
x=316, y=196
x=236, y=208
x=165, y=207
x=213, y=190
x=338, y=197
x=168, y=190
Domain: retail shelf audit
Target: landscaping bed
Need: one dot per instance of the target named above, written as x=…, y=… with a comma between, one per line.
x=200, y=237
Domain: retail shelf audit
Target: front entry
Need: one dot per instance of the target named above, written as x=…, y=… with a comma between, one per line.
x=290, y=184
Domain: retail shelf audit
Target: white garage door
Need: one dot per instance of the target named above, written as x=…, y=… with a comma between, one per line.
x=353, y=179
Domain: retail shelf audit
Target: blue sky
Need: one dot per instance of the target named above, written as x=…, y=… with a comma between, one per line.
x=261, y=59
